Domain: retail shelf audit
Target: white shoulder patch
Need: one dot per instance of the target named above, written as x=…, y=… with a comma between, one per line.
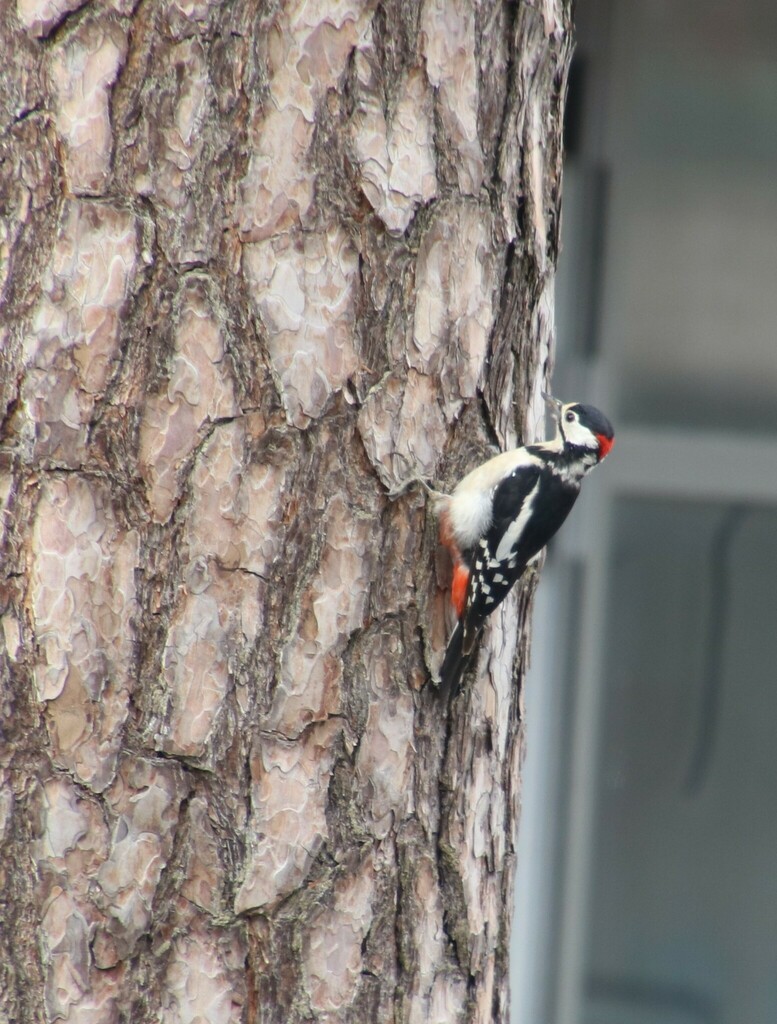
x=517, y=526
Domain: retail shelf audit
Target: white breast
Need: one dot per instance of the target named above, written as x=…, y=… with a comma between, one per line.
x=470, y=505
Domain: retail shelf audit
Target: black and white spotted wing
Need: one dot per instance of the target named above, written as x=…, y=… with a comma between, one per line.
x=529, y=506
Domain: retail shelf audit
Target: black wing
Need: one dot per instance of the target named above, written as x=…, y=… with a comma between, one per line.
x=529, y=507
x=491, y=578
x=551, y=498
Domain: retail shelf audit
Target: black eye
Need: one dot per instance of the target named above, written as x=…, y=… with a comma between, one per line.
x=570, y=417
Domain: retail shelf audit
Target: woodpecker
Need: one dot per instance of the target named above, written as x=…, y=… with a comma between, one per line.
x=503, y=513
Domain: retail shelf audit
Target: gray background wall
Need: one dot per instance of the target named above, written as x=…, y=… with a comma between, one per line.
x=648, y=874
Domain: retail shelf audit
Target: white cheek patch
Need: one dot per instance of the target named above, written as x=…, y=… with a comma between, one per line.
x=579, y=435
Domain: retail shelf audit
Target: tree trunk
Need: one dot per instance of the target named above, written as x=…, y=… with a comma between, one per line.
x=260, y=261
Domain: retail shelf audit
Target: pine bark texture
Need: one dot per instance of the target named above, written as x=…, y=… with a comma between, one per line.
x=259, y=261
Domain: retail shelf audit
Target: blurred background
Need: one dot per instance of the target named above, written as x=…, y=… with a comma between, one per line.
x=647, y=885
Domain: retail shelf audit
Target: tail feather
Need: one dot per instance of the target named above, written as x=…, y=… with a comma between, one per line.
x=455, y=662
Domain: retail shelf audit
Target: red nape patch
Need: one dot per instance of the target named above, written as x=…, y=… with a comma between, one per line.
x=459, y=588
x=605, y=444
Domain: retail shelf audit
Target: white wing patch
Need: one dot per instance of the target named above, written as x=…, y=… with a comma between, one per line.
x=518, y=525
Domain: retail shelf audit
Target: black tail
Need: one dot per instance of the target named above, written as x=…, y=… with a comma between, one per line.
x=455, y=663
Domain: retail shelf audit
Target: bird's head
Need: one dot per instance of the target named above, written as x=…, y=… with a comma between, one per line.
x=582, y=426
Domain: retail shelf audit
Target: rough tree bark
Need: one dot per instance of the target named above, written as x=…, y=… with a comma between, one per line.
x=257, y=260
